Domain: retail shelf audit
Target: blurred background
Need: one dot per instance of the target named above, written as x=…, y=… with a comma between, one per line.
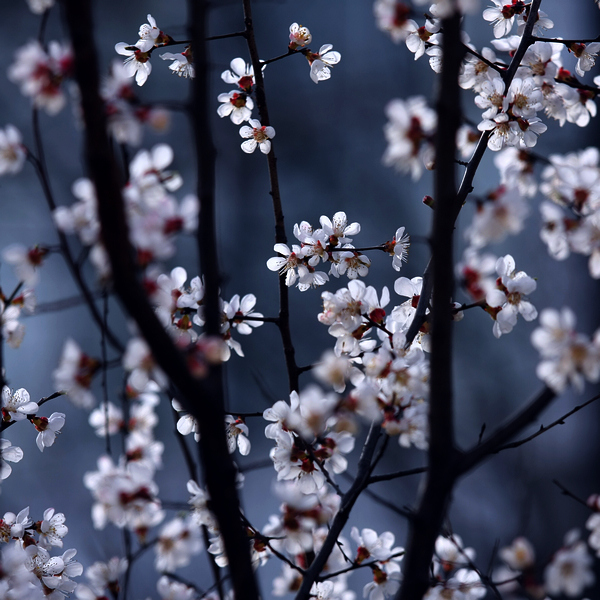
x=329, y=146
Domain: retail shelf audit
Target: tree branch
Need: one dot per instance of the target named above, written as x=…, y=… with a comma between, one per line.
x=280, y=237
x=200, y=397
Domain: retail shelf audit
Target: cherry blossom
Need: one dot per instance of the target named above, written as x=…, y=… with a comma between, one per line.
x=258, y=136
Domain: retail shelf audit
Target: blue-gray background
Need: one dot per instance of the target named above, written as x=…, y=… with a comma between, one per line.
x=329, y=145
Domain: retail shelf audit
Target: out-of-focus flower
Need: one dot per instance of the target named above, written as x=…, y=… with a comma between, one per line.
x=12, y=151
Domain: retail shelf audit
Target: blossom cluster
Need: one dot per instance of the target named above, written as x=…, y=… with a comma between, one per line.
x=40, y=74
x=330, y=243
x=18, y=406
x=378, y=368
x=30, y=570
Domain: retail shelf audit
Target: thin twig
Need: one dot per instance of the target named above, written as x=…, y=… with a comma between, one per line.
x=543, y=429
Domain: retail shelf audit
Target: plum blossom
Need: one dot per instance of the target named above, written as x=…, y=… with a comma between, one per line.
x=178, y=540
x=502, y=213
x=137, y=63
x=519, y=555
x=288, y=263
x=241, y=74
x=105, y=575
x=52, y=529
x=8, y=453
x=237, y=310
x=398, y=248
x=299, y=36
x=182, y=64
x=74, y=375
x=475, y=272
x=392, y=17
x=124, y=494
x=586, y=55
x=503, y=15
x=567, y=356
x=235, y=105
x=48, y=428
x=509, y=298
x=237, y=435
x=13, y=526
x=17, y=405
x=409, y=133
x=174, y=590
x=420, y=38
x=386, y=581
x=375, y=547
x=40, y=73
x=321, y=61
x=25, y=261
x=12, y=151
x=258, y=136
x=151, y=35
x=570, y=571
